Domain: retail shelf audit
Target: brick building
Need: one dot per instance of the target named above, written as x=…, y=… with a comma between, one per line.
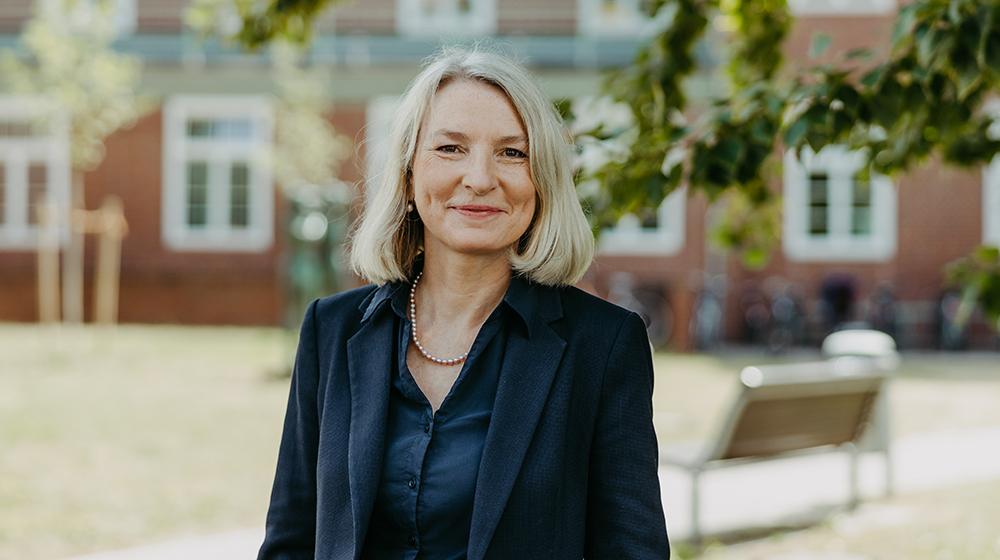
x=207, y=242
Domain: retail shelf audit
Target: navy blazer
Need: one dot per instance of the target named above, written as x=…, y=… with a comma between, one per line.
x=569, y=464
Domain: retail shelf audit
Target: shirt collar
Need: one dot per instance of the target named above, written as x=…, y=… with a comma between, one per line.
x=521, y=297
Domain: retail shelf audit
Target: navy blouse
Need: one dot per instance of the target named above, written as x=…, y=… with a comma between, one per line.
x=423, y=508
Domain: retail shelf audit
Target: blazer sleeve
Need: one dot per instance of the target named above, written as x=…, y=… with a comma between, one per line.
x=624, y=510
x=291, y=519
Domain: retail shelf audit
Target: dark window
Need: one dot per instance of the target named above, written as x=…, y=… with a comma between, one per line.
x=239, y=195
x=819, y=204
x=38, y=186
x=861, y=208
x=197, y=194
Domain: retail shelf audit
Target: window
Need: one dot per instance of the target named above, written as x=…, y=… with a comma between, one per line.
x=832, y=214
x=613, y=17
x=841, y=7
x=446, y=17
x=659, y=233
x=218, y=192
x=34, y=167
x=991, y=204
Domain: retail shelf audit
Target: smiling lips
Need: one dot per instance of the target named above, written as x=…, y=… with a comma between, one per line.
x=477, y=210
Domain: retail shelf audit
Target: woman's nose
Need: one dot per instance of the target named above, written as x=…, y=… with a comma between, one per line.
x=481, y=176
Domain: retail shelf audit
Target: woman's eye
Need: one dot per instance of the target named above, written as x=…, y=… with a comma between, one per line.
x=514, y=153
x=449, y=149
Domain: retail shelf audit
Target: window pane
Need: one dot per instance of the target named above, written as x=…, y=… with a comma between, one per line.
x=649, y=218
x=818, y=204
x=240, y=129
x=23, y=128
x=861, y=208
x=37, y=189
x=199, y=129
x=197, y=191
x=230, y=129
x=239, y=195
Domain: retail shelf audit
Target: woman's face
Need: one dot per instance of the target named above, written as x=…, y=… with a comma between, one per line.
x=471, y=179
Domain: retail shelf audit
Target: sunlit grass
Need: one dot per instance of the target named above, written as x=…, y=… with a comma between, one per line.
x=112, y=439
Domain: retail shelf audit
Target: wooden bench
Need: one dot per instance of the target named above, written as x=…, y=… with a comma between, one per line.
x=790, y=410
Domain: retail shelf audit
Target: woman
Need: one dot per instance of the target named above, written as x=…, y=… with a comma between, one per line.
x=470, y=404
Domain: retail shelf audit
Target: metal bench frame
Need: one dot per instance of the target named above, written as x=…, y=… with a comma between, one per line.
x=793, y=410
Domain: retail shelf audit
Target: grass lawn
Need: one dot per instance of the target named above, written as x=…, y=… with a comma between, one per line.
x=114, y=439
x=133, y=438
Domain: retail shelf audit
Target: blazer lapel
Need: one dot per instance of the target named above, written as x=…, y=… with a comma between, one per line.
x=526, y=376
x=369, y=355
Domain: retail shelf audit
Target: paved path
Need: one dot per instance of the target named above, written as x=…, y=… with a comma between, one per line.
x=753, y=495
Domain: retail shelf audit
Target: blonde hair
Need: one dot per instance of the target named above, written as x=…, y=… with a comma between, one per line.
x=558, y=246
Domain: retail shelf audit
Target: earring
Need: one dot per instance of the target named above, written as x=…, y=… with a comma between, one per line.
x=409, y=207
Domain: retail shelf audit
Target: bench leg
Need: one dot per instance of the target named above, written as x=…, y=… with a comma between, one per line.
x=695, y=526
x=888, y=471
x=853, y=450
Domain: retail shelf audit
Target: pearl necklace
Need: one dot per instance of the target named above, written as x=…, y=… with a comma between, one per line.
x=413, y=329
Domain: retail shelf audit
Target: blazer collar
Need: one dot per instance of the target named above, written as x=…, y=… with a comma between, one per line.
x=529, y=367
x=369, y=363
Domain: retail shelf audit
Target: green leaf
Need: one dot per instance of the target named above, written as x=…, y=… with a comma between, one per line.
x=986, y=254
x=968, y=73
x=860, y=54
x=819, y=44
x=795, y=133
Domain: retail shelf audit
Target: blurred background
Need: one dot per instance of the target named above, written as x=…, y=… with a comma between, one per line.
x=177, y=179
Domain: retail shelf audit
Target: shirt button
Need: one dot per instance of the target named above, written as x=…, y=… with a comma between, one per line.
x=412, y=484
x=412, y=539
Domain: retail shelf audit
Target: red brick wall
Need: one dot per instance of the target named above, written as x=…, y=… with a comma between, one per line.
x=13, y=14
x=531, y=17
x=668, y=275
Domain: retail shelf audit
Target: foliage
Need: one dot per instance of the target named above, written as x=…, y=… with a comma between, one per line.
x=308, y=153
x=67, y=56
x=934, y=94
x=307, y=148
x=978, y=275
x=726, y=150
x=256, y=23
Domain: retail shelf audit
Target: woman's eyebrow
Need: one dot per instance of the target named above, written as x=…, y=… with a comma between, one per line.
x=514, y=139
x=452, y=135
x=463, y=137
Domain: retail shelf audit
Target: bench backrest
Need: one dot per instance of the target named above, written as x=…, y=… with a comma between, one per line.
x=792, y=407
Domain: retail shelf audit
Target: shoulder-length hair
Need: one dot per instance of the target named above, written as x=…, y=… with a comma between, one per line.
x=558, y=246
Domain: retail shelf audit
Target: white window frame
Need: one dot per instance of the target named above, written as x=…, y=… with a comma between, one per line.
x=16, y=154
x=991, y=203
x=126, y=17
x=839, y=245
x=629, y=20
x=628, y=237
x=841, y=7
x=480, y=21
x=218, y=235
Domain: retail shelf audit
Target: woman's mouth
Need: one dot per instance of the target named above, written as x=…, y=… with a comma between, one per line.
x=477, y=210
